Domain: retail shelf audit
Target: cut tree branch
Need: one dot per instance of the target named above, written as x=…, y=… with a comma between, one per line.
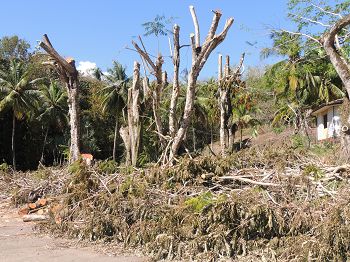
x=196, y=26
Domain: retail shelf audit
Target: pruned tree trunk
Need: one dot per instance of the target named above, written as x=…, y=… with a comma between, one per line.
x=231, y=137
x=176, y=85
x=124, y=134
x=69, y=75
x=342, y=66
x=44, y=144
x=115, y=137
x=227, y=82
x=74, y=121
x=200, y=55
x=131, y=133
x=13, y=141
x=222, y=98
x=161, y=81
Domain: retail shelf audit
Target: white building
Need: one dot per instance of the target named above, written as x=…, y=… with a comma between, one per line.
x=328, y=119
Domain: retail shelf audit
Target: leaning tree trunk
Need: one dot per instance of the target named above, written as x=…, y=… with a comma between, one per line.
x=13, y=142
x=342, y=66
x=69, y=75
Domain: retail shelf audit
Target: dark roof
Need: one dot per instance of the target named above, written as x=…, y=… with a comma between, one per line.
x=325, y=106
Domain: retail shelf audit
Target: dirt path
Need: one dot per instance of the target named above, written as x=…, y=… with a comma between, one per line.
x=18, y=242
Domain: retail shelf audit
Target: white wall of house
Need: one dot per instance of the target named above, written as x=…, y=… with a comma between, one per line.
x=328, y=126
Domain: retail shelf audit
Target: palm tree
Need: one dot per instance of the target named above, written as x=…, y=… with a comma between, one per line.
x=17, y=94
x=54, y=103
x=114, y=95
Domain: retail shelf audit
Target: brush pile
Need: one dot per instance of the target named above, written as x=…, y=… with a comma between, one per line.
x=259, y=204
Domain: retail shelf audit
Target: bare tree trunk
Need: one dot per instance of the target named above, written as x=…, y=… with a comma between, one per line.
x=176, y=85
x=194, y=138
x=231, y=138
x=13, y=142
x=131, y=133
x=227, y=83
x=222, y=97
x=342, y=67
x=43, y=149
x=69, y=75
x=73, y=105
x=115, y=137
x=124, y=134
x=161, y=81
x=134, y=115
x=156, y=105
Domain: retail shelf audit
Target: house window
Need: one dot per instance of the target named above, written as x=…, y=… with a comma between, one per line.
x=325, y=121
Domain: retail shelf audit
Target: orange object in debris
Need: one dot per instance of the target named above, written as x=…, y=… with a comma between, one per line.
x=87, y=158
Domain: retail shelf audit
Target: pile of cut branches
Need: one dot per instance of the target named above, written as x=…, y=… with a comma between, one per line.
x=262, y=203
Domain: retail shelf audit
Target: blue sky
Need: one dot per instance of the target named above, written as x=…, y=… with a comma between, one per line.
x=99, y=31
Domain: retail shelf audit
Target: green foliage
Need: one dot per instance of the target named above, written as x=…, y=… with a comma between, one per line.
x=4, y=167
x=77, y=167
x=12, y=47
x=157, y=26
x=298, y=141
x=108, y=166
x=54, y=108
x=198, y=203
x=17, y=91
x=278, y=129
x=314, y=171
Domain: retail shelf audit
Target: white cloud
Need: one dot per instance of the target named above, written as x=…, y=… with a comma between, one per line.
x=86, y=67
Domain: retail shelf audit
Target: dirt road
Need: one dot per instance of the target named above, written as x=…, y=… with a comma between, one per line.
x=18, y=243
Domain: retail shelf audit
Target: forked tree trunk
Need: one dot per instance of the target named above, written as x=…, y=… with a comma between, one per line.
x=13, y=142
x=200, y=55
x=342, y=66
x=227, y=83
x=161, y=81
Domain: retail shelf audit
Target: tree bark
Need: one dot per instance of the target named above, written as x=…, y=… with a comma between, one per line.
x=134, y=115
x=222, y=98
x=74, y=121
x=115, y=137
x=124, y=134
x=176, y=85
x=161, y=81
x=44, y=143
x=131, y=133
x=13, y=142
x=69, y=75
